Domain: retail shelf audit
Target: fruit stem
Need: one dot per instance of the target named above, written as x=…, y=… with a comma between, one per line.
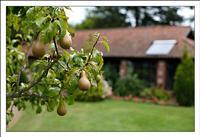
x=83, y=74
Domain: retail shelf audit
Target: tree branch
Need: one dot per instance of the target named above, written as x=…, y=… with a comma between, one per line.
x=26, y=94
x=54, y=41
x=22, y=92
x=16, y=94
x=40, y=78
x=98, y=36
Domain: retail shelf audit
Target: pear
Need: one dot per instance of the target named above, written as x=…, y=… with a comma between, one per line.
x=61, y=110
x=38, y=49
x=84, y=83
x=99, y=77
x=66, y=42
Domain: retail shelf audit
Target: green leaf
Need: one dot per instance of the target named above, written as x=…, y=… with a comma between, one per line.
x=106, y=45
x=71, y=31
x=77, y=61
x=18, y=36
x=8, y=118
x=53, y=91
x=40, y=21
x=62, y=64
x=48, y=33
x=66, y=55
x=63, y=28
x=51, y=104
x=30, y=11
x=70, y=99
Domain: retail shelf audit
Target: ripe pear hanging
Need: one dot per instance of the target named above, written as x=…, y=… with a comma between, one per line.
x=66, y=42
x=84, y=83
x=61, y=110
x=38, y=49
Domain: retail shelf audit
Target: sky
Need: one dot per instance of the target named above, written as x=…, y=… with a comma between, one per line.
x=78, y=14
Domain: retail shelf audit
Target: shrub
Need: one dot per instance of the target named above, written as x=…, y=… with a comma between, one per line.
x=184, y=81
x=151, y=93
x=146, y=93
x=160, y=94
x=129, y=85
x=111, y=77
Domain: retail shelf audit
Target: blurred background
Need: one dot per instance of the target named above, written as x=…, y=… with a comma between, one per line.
x=185, y=15
x=148, y=74
x=147, y=42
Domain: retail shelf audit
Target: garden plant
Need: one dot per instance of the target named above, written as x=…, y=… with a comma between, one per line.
x=184, y=81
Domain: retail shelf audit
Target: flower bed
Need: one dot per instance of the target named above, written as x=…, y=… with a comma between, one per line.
x=154, y=100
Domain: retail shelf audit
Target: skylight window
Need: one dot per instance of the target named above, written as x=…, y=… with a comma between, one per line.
x=161, y=47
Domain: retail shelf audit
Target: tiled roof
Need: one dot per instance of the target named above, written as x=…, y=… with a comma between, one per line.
x=134, y=42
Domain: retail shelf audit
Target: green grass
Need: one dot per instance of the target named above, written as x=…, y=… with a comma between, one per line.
x=110, y=115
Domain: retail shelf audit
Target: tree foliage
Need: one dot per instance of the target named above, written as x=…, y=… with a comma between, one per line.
x=184, y=81
x=111, y=17
x=155, y=15
x=104, y=17
x=49, y=80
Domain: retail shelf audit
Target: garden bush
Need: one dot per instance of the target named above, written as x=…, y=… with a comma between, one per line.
x=154, y=92
x=129, y=85
x=184, y=81
x=111, y=77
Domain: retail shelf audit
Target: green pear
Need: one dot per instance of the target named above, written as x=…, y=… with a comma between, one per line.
x=84, y=83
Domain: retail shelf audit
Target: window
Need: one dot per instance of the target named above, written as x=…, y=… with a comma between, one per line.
x=161, y=47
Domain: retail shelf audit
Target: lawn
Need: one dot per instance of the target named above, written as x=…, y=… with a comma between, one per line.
x=110, y=115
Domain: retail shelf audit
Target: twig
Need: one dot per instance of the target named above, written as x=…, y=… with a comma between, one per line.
x=98, y=36
x=11, y=108
x=54, y=41
x=27, y=94
x=40, y=78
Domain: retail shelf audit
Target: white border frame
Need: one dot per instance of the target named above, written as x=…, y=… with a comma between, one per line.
x=99, y=3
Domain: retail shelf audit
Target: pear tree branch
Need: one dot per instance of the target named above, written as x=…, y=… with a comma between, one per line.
x=24, y=93
x=91, y=52
x=20, y=92
x=54, y=41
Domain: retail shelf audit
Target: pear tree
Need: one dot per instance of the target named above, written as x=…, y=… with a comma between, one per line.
x=52, y=79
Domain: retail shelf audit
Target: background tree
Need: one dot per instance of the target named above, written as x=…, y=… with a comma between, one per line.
x=110, y=17
x=104, y=17
x=144, y=16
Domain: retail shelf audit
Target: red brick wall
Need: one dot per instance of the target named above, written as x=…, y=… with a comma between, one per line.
x=123, y=68
x=161, y=74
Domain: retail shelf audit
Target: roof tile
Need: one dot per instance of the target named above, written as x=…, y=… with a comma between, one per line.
x=133, y=42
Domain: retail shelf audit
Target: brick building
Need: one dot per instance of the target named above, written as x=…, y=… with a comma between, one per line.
x=154, y=51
